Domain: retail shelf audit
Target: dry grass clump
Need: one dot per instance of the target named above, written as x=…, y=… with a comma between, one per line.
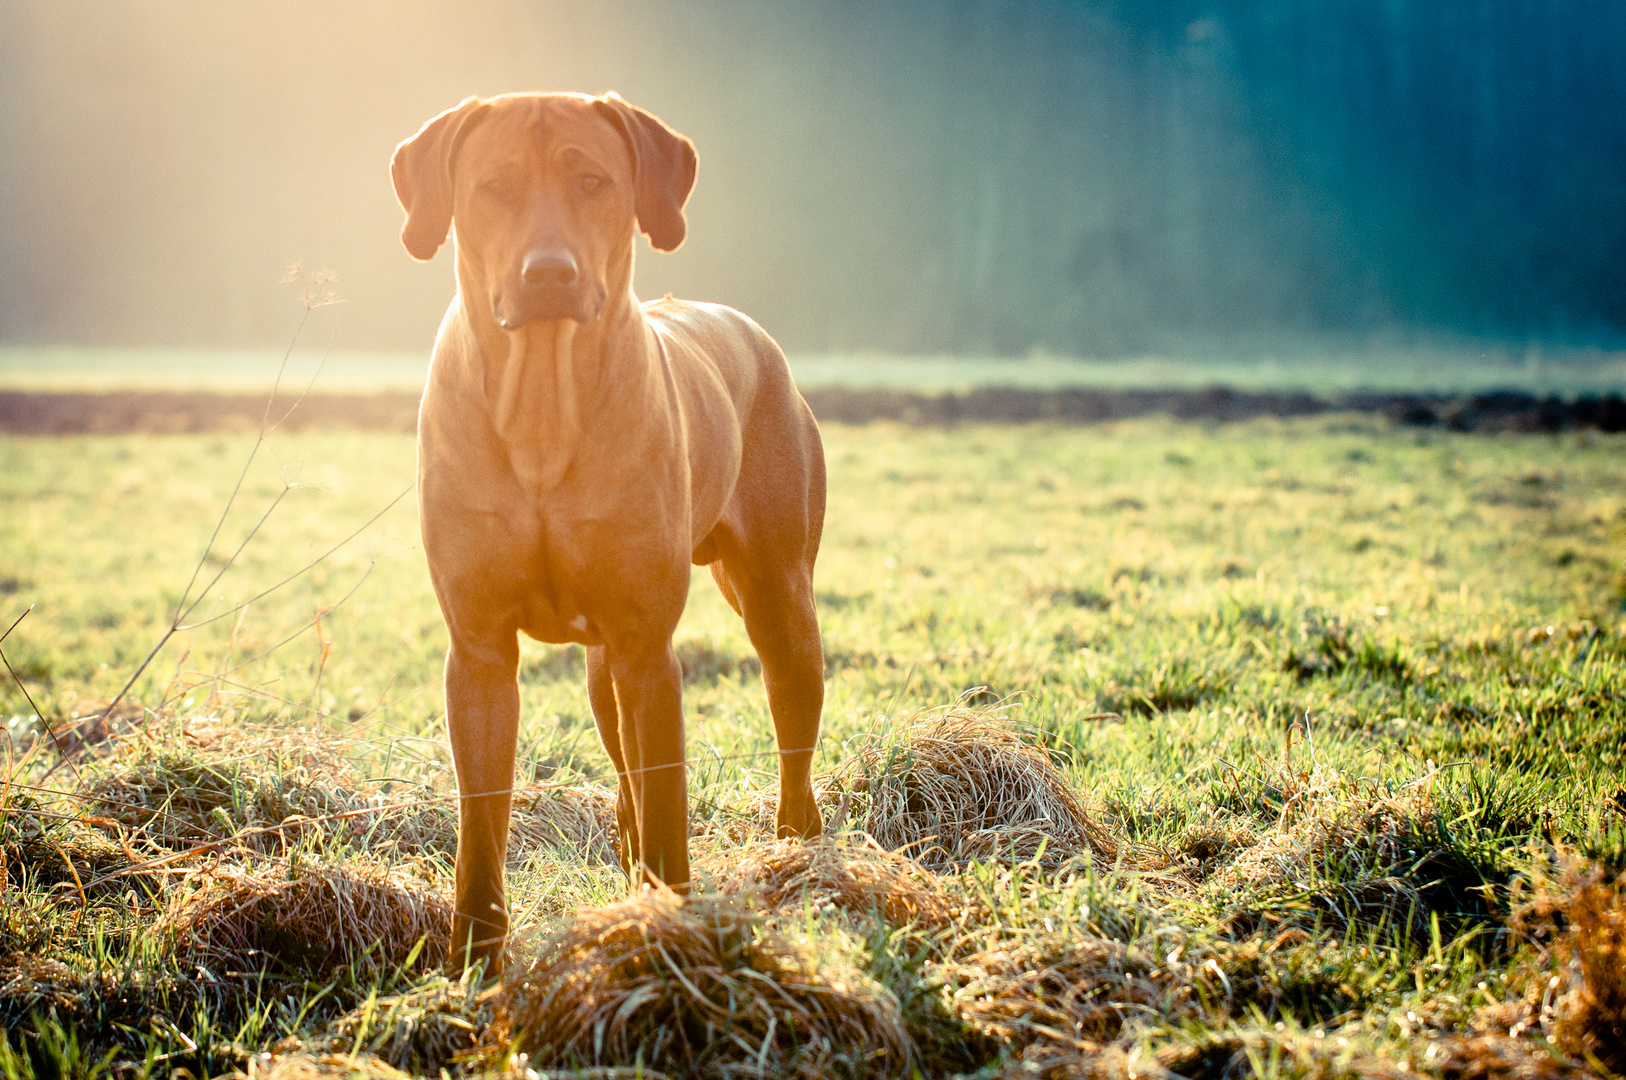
x=323, y=755
x=851, y=873
x=1203, y=847
x=1355, y=853
x=307, y=919
x=97, y=998
x=1486, y=1056
x=753, y=817
x=580, y=818
x=1059, y=1000
x=48, y=848
x=1232, y=1053
x=31, y=983
x=177, y=800
x=1073, y=1004
x=304, y=1065
x=421, y=1032
x=1580, y=923
x=701, y=987
x=93, y=724
x=959, y=784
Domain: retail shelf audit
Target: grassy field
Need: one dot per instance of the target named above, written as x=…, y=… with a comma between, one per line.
x=1288, y=748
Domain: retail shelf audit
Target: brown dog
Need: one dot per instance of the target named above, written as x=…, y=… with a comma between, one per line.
x=577, y=450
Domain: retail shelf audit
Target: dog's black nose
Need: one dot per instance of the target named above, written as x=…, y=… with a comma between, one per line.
x=549, y=266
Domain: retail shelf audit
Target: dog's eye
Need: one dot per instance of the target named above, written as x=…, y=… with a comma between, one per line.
x=497, y=188
x=589, y=184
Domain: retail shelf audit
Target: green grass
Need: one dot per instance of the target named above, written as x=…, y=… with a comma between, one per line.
x=1394, y=662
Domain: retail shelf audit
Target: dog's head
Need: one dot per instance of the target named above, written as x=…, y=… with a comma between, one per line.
x=548, y=191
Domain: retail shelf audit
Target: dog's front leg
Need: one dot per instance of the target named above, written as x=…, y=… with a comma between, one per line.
x=482, y=719
x=649, y=698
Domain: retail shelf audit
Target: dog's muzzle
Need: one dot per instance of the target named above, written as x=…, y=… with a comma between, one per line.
x=548, y=286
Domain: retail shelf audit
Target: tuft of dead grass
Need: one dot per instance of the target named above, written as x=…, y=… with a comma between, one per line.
x=852, y=873
x=324, y=755
x=701, y=987
x=50, y=848
x=98, y=999
x=427, y=1029
x=94, y=724
x=34, y=982
x=305, y=792
x=1286, y=1051
x=576, y=818
x=1060, y=999
x=580, y=818
x=311, y=918
x=1348, y=852
x=174, y=800
x=1075, y=1002
x=1487, y=1056
x=1203, y=847
x=961, y=784
x=1352, y=1053
x=1579, y=922
x=303, y=1065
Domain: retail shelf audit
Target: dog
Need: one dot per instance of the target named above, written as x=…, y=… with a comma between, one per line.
x=577, y=451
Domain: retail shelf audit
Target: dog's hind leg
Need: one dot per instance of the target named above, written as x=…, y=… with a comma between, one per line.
x=601, y=695
x=784, y=629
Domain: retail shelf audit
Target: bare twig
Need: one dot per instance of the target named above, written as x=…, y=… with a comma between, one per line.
x=262, y=654
x=14, y=623
x=303, y=570
x=313, y=296
x=259, y=440
x=18, y=679
x=246, y=690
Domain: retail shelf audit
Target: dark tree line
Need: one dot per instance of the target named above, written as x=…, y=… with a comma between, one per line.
x=1118, y=175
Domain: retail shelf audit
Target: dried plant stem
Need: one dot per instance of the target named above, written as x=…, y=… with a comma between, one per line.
x=192, y=595
x=18, y=679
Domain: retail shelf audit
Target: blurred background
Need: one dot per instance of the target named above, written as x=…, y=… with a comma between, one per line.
x=1107, y=180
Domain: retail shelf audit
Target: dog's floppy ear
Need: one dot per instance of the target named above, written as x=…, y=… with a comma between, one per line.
x=663, y=165
x=422, y=172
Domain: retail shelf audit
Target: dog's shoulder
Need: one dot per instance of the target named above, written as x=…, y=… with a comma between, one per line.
x=725, y=337
x=732, y=347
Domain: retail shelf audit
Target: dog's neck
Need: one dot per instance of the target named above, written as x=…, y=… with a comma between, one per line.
x=542, y=382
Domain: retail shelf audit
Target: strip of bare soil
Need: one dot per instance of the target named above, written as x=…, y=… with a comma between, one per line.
x=32, y=413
